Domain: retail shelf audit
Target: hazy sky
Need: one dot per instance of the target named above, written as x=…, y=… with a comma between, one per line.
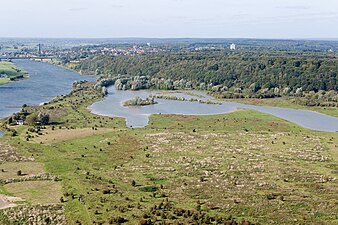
x=170, y=18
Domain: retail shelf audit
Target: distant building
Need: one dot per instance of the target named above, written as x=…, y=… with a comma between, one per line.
x=232, y=46
x=19, y=122
x=3, y=75
x=39, y=48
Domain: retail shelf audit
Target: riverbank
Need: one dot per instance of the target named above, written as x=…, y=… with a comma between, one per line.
x=10, y=72
x=285, y=102
x=57, y=62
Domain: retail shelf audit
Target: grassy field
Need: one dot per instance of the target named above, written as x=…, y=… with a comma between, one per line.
x=39, y=192
x=10, y=70
x=10, y=169
x=213, y=169
x=4, y=80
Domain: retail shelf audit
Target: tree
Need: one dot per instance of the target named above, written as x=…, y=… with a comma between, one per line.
x=43, y=118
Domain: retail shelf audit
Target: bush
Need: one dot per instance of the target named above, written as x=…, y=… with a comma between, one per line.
x=148, y=189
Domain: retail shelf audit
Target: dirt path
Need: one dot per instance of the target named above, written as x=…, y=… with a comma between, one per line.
x=8, y=201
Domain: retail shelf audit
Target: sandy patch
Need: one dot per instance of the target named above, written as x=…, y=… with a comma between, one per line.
x=8, y=201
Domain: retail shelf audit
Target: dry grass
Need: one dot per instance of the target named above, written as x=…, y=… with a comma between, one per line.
x=250, y=173
x=8, y=153
x=50, y=136
x=36, y=192
x=10, y=169
x=37, y=214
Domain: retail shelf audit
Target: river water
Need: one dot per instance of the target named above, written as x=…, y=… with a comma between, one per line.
x=47, y=81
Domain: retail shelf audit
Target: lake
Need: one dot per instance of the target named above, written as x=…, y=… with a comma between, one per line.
x=138, y=117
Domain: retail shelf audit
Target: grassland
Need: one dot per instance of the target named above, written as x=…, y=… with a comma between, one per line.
x=242, y=166
x=12, y=72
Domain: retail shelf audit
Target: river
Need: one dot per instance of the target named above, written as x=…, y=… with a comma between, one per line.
x=45, y=82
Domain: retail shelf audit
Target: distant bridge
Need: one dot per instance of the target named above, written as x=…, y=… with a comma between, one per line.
x=7, y=58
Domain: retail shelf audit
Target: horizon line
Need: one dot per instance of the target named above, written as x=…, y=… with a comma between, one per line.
x=161, y=38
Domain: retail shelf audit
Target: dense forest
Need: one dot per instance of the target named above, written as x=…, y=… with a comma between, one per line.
x=229, y=74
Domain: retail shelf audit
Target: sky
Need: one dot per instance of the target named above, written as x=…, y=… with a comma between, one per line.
x=169, y=18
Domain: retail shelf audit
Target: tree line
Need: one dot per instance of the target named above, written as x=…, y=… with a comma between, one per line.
x=229, y=74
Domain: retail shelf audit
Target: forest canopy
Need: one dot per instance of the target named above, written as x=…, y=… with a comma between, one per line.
x=222, y=71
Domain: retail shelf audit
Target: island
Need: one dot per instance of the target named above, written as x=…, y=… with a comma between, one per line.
x=137, y=101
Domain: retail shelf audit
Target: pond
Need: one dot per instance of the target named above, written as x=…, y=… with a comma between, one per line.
x=138, y=117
